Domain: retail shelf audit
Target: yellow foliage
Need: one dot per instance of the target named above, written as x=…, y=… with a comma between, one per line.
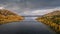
x=52, y=20
x=8, y=16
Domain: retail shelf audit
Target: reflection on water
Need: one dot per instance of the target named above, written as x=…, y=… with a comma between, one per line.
x=28, y=26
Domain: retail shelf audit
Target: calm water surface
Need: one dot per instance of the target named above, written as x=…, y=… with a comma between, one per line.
x=28, y=26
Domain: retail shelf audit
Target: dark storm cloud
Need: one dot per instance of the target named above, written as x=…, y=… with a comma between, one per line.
x=45, y=3
x=22, y=5
x=32, y=4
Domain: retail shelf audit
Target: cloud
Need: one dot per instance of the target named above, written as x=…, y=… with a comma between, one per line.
x=41, y=12
x=2, y=8
x=32, y=4
x=30, y=7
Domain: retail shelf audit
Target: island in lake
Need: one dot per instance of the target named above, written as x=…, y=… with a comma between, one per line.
x=51, y=19
x=7, y=16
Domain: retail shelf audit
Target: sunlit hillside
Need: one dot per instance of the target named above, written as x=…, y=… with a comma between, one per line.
x=7, y=16
x=51, y=19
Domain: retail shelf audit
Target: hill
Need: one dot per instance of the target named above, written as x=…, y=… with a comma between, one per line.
x=7, y=16
x=51, y=19
x=57, y=12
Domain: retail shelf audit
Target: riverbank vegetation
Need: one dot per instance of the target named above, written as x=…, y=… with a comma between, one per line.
x=7, y=16
x=51, y=19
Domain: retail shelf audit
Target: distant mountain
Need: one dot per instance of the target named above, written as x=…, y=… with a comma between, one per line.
x=57, y=12
x=51, y=19
x=7, y=16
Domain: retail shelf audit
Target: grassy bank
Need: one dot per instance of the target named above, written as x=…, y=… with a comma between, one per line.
x=49, y=21
x=7, y=16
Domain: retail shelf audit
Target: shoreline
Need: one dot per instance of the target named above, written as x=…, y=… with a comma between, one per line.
x=55, y=27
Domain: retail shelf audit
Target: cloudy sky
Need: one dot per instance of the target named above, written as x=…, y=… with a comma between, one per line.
x=30, y=7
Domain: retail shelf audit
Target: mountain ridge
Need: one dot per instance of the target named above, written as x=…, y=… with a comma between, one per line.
x=51, y=19
x=7, y=16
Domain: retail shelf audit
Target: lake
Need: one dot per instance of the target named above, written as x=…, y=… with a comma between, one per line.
x=28, y=26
